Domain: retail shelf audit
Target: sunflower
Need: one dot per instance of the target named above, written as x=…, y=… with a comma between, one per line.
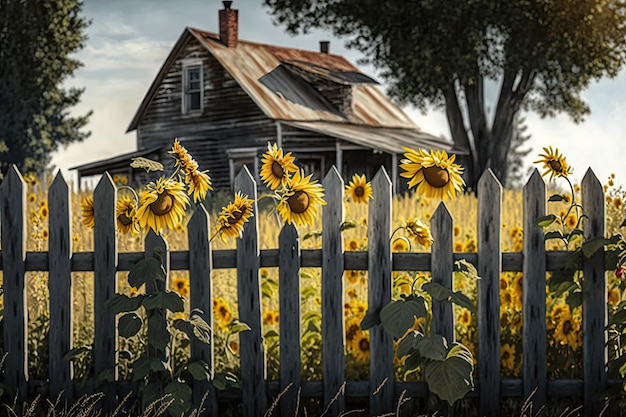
x=553, y=163
x=44, y=212
x=353, y=330
x=571, y=220
x=435, y=174
x=234, y=216
x=617, y=203
x=418, y=232
x=44, y=234
x=163, y=204
x=352, y=276
x=466, y=317
x=222, y=312
x=400, y=245
x=233, y=345
x=351, y=292
x=199, y=184
x=507, y=355
x=86, y=207
x=181, y=286
x=568, y=332
x=276, y=166
x=458, y=246
x=361, y=347
x=299, y=204
x=125, y=210
x=359, y=190
x=457, y=231
x=32, y=197
x=352, y=245
x=183, y=159
x=560, y=311
x=613, y=296
x=133, y=291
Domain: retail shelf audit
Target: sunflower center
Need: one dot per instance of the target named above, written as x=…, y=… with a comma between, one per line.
x=277, y=170
x=359, y=191
x=234, y=218
x=299, y=202
x=567, y=327
x=505, y=355
x=556, y=165
x=364, y=345
x=436, y=176
x=124, y=219
x=162, y=205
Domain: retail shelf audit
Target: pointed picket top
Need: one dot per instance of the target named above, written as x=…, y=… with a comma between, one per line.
x=488, y=182
x=595, y=354
x=442, y=268
x=60, y=287
x=12, y=207
x=379, y=293
x=534, y=292
x=333, y=335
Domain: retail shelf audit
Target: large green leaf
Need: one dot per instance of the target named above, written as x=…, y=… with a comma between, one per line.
x=129, y=324
x=433, y=347
x=451, y=378
x=121, y=303
x=201, y=329
x=371, y=319
x=463, y=300
x=147, y=269
x=144, y=365
x=546, y=221
x=437, y=291
x=561, y=281
x=169, y=300
x=181, y=394
x=399, y=316
x=408, y=344
x=199, y=370
x=158, y=333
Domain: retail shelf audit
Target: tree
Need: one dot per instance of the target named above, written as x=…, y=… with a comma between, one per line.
x=539, y=55
x=37, y=40
x=516, y=174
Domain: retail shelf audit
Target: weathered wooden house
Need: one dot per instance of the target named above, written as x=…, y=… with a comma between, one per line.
x=225, y=99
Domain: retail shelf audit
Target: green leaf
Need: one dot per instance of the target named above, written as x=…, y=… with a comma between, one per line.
x=121, y=303
x=76, y=352
x=200, y=327
x=451, y=378
x=413, y=362
x=271, y=334
x=619, y=317
x=310, y=235
x=181, y=394
x=147, y=164
x=463, y=300
x=219, y=381
x=546, y=221
x=169, y=300
x=555, y=234
x=238, y=327
x=129, y=324
x=574, y=299
x=106, y=375
x=408, y=344
x=158, y=333
x=556, y=197
x=590, y=247
x=560, y=281
x=232, y=380
x=433, y=347
x=267, y=289
x=145, y=270
x=312, y=316
x=348, y=224
x=399, y=316
x=309, y=292
x=465, y=267
x=144, y=365
x=371, y=319
x=623, y=224
x=437, y=291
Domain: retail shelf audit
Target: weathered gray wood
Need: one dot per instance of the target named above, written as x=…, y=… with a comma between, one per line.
x=249, y=299
x=442, y=269
x=333, y=334
x=13, y=204
x=489, y=269
x=201, y=297
x=156, y=246
x=595, y=352
x=534, y=294
x=105, y=285
x=289, y=304
x=60, y=288
x=379, y=293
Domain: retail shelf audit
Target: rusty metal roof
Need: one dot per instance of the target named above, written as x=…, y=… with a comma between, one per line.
x=280, y=94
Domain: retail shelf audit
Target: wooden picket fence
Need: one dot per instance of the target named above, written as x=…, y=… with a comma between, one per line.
x=256, y=393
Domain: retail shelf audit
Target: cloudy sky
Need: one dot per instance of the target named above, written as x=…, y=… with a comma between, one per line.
x=130, y=39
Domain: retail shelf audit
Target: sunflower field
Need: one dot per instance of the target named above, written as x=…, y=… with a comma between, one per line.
x=292, y=196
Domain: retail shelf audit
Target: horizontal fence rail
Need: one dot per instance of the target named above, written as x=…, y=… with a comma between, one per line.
x=256, y=393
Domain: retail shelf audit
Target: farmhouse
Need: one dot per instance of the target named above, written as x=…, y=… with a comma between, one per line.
x=225, y=98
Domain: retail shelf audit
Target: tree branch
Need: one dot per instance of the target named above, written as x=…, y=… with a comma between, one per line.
x=457, y=126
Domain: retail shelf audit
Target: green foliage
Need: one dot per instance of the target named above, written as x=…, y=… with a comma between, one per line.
x=37, y=42
x=540, y=55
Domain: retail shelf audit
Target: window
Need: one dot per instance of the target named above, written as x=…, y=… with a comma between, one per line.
x=192, y=99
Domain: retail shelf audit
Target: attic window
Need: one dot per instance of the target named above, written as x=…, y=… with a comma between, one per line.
x=192, y=80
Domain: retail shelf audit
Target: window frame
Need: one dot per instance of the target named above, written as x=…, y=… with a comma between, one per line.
x=189, y=65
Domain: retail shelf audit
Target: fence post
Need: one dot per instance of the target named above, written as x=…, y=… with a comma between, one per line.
x=442, y=269
x=254, y=397
x=379, y=293
x=13, y=202
x=60, y=288
x=333, y=334
x=201, y=297
x=105, y=286
x=534, y=294
x=595, y=354
x=489, y=270
x=289, y=299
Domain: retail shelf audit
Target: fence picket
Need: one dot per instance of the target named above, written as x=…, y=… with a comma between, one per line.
x=489, y=269
x=442, y=268
x=289, y=307
x=60, y=288
x=379, y=293
x=105, y=286
x=13, y=202
x=595, y=353
x=333, y=334
x=201, y=297
x=254, y=397
x=534, y=294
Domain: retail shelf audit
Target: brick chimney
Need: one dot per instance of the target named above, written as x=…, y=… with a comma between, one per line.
x=229, y=25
